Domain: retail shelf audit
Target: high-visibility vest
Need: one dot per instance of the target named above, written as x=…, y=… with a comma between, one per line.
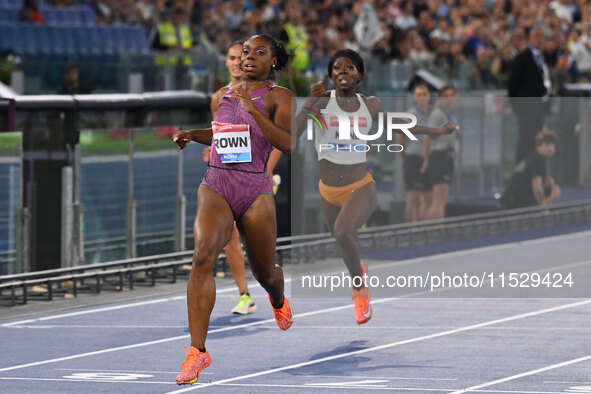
x=297, y=42
x=168, y=38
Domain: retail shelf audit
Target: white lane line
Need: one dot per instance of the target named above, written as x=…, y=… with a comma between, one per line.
x=519, y=392
x=96, y=310
x=45, y=326
x=403, y=389
x=165, y=340
x=524, y=374
x=537, y=328
x=558, y=381
x=111, y=308
x=75, y=356
x=352, y=387
x=84, y=380
x=118, y=371
x=375, y=377
x=387, y=346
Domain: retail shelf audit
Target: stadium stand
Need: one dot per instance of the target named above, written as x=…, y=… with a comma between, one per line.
x=68, y=35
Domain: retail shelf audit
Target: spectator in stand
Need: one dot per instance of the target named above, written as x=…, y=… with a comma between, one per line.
x=471, y=24
x=349, y=40
x=148, y=12
x=442, y=59
x=418, y=7
x=442, y=32
x=331, y=32
x=580, y=49
x=483, y=77
x=419, y=53
x=406, y=20
x=30, y=12
x=564, y=10
x=71, y=81
x=426, y=26
x=315, y=40
x=501, y=66
x=438, y=9
x=384, y=50
x=234, y=15
x=127, y=13
x=102, y=9
x=475, y=40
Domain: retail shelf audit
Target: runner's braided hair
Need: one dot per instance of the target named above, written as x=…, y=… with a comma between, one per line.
x=279, y=51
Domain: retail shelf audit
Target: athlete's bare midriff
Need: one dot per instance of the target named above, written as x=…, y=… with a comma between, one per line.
x=337, y=175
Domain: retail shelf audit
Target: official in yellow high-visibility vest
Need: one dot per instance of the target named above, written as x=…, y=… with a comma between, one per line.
x=297, y=41
x=173, y=36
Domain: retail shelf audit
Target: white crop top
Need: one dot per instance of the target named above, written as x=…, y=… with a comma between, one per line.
x=342, y=151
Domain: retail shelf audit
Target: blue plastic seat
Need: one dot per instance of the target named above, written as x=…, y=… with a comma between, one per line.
x=7, y=31
x=11, y=4
x=87, y=17
x=53, y=42
x=42, y=39
x=138, y=40
x=50, y=16
x=18, y=39
x=62, y=16
x=67, y=35
x=82, y=40
x=72, y=17
x=106, y=44
x=117, y=36
x=30, y=40
x=9, y=15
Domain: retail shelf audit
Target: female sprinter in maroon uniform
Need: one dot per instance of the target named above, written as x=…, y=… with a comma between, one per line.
x=250, y=120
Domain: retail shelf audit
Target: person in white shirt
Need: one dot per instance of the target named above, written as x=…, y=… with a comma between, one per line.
x=580, y=50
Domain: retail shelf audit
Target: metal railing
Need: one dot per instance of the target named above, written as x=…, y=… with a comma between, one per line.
x=149, y=270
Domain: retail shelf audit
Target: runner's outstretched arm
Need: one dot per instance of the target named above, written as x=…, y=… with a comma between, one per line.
x=376, y=108
x=182, y=138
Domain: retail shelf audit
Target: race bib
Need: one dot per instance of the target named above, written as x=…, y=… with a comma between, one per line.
x=232, y=142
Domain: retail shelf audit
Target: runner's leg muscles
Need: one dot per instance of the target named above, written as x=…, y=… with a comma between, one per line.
x=258, y=227
x=235, y=257
x=354, y=213
x=212, y=231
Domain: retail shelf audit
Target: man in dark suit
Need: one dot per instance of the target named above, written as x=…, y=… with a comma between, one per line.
x=529, y=87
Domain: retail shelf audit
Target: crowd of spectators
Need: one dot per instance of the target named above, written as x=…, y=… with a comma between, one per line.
x=442, y=35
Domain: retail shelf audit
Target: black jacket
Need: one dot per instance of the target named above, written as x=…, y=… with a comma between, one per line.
x=525, y=78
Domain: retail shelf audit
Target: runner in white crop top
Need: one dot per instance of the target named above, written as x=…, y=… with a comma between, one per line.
x=348, y=191
x=336, y=150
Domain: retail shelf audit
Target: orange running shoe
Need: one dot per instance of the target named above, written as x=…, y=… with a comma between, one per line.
x=361, y=298
x=195, y=362
x=284, y=314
